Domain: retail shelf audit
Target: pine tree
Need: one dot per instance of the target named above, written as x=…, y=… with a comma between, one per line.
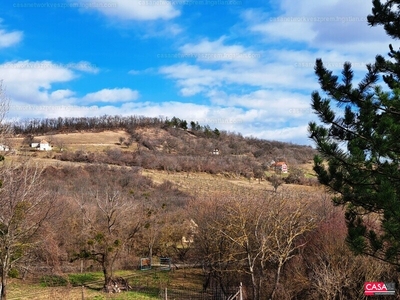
x=359, y=144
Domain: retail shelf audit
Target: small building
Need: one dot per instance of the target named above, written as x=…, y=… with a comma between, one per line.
x=4, y=147
x=188, y=240
x=281, y=167
x=42, y=146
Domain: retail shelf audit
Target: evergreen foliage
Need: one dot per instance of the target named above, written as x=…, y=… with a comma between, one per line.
x=359, y=144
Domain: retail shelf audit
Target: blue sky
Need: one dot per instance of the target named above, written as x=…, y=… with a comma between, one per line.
x=237, y=65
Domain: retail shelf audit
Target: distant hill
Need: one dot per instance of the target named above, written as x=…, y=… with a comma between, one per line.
x=154, y=143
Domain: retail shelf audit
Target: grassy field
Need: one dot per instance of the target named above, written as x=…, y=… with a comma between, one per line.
x=146, y=285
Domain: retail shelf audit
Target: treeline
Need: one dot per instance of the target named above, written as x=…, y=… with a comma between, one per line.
x=44, y=126
x=71, y=124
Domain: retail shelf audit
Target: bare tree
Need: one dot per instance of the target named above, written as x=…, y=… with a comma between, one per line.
x=282, y=234
x=252, y=236
x=5, y=128
x=24, y=207
x=59, y=143
x=276, y=182
x=128, y=142
x=108, y=224
x=23, y=201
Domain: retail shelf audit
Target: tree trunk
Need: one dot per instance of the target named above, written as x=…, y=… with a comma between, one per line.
x=277, y=278
x=3, y=294
x=4, y=273
x=151, y=254
x=107, y=277
x=253, y=278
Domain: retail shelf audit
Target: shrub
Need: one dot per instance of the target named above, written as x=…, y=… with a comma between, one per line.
x=53, y=280
x=81, y=279
x=296, y=176
x=13, y=273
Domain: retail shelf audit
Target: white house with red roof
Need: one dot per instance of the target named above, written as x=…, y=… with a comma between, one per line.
x=280, y=166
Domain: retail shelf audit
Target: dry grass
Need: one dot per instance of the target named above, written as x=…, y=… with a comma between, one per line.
x=35, y=291
x=86, y=141
x=187, y=279
x=203, y=184
x=85, y=138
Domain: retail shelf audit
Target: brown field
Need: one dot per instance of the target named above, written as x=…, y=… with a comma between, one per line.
x=86, y=141
x=33, y=291
x=203, y=184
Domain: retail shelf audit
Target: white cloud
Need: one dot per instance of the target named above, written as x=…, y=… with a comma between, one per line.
x=8, y=39
x=112, y=95
x=61, y=94
x=141, y=10
x=212, y=51
x=173, y=30
x=328, y=24
x=280, y=28
x=84, y=66
x=193, y=79
x=292, y=134
x=31, y=81
x=134, y=72
x=277, y=102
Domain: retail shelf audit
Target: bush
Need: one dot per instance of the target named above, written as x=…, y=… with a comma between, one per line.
x=81, y=279
x=13, y=273
x=53, y=280
x=276, y=181
x=296, y=176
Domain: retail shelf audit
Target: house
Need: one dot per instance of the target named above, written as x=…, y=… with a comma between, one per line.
x=4, y=147
x=188, y=240
x=281, y=167
x=42, y=146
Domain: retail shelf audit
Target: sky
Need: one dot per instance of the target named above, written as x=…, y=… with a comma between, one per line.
x=244, y=66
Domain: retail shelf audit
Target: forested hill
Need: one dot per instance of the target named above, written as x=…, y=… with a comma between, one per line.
x=165, y=144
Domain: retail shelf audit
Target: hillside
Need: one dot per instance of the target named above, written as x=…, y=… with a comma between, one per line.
x=167, y=145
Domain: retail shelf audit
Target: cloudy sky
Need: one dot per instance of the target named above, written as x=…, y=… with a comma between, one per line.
x=238, y=65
